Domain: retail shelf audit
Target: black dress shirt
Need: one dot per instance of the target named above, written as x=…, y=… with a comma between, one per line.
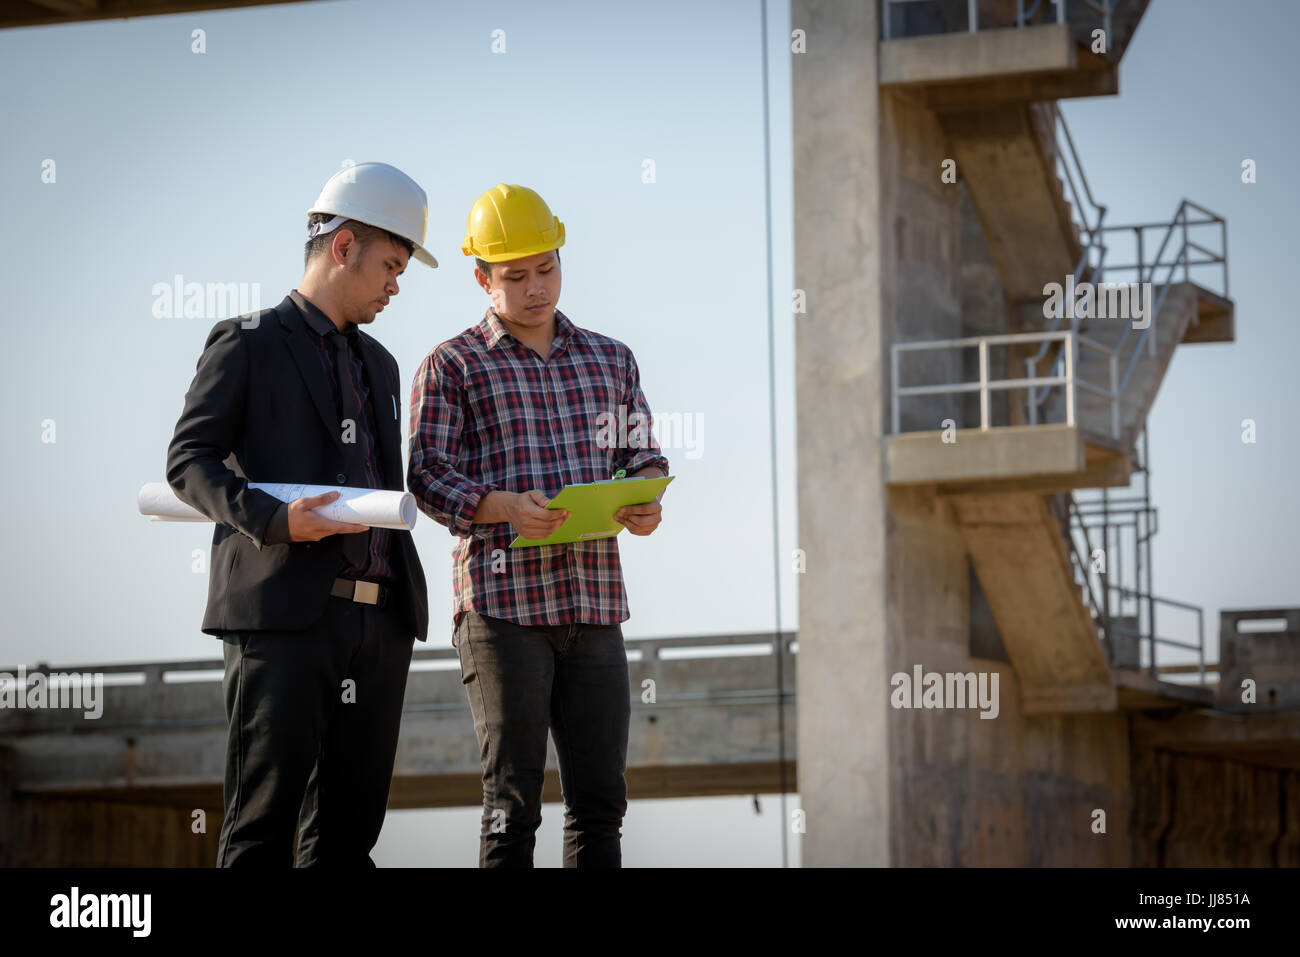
x=379, y=567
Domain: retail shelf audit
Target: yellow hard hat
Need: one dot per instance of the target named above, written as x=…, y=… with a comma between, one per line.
x=510, y=222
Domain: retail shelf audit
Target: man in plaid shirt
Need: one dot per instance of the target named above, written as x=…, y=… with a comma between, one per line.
x=502, y=418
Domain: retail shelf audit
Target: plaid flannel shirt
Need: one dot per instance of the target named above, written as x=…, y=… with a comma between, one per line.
x=488, y=413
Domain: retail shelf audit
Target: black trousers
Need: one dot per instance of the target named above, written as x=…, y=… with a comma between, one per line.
x=313, y=722
x=522, y=679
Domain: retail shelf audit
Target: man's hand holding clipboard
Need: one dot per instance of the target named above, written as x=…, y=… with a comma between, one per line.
x=589, y=511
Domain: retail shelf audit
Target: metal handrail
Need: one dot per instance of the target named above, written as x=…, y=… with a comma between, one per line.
x=1115, y=518
x=1181, y=222
x=154, y=672
x=1153, y=639
x=1038, y=386
x=1099, y=609
x=1023, y=15
x=1066, y=156
x=1072, y=341
x=1058, y=121
x=1068, y=161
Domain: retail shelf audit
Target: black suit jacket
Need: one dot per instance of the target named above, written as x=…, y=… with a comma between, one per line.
x=260, y=410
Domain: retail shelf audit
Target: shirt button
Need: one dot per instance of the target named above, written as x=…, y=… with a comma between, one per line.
x=340, y=478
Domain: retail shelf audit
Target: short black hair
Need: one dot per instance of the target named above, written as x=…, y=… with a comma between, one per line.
x=364, y=233
x=487, y=266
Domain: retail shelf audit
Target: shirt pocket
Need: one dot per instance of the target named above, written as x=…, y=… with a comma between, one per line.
x=600, y=420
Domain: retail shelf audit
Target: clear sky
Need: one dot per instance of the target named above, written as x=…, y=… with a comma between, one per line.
x=171, y=162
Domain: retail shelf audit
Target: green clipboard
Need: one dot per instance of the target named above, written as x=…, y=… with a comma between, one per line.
x=591, y=507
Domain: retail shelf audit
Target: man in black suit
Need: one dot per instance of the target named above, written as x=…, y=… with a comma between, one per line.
x=318, y=618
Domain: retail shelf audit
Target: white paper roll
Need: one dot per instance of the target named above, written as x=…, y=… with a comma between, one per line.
x=376, y=507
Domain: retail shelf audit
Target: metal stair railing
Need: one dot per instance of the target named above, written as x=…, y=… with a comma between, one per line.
x=1092, y=265
x=1180, y=225
x=1066, y=157
x=1092, y=596
x=1067, y=161
x=1026, y=15
x=1123, y=589
x=1177, y=229
x=1153, y=639
x=1122, y=357
x=1064, y=369
x=1070, y=164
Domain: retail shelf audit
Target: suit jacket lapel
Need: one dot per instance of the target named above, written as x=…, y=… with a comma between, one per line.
x=382, y=391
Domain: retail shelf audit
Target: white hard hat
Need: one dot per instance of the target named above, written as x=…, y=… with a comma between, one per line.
x=378, y=195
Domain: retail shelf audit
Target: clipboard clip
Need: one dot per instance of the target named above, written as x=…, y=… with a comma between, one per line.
x=621, y=473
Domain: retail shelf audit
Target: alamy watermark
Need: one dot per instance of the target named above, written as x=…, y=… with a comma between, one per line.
x=75, y=690
x=204, y=300
x=931, y=689
x=1102, y=300
x=671, y=430
x=75, y=909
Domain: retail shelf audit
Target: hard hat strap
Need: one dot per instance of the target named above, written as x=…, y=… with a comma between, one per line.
x=316, y=229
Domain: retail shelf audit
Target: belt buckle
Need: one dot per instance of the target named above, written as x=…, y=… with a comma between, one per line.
x=367, y=592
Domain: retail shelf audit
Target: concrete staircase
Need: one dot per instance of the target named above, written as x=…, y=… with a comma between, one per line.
x=1092, y=411
x=1021, y=558
x=1036, y=221
x=1011, y=175
x=1019, y=546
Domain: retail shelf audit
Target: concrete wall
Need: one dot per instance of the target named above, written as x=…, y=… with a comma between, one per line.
x=920, y=249
x=70, y=832
x=972, y=791
x=1196, y=811
x=983, y=312
x=929, y=625
x=61, y=831
x=1269, y=658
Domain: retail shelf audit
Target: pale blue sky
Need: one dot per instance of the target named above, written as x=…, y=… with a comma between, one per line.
x=170, y=162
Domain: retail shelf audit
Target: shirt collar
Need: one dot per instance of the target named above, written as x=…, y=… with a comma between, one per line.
x=494, y=329
x=320, y=323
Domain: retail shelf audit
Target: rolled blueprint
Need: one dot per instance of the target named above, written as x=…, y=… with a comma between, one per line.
x=376, y=507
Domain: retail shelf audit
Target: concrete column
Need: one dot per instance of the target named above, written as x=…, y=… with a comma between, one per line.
x=844, y=765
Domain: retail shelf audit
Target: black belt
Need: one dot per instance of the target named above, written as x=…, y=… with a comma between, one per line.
x=369, y=593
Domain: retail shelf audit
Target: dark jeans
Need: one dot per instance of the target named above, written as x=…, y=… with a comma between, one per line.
x=522, y=679
x=306, y=751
